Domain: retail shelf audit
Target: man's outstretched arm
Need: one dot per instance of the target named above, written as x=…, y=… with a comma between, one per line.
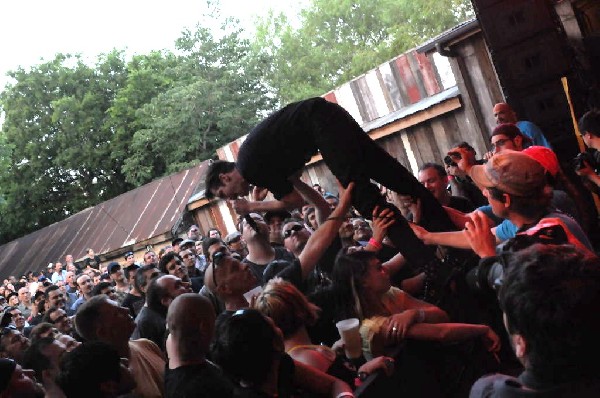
x=291, y=201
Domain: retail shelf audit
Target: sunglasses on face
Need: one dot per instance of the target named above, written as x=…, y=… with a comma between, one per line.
x=296, y=228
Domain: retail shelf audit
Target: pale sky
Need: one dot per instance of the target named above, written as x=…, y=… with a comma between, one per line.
x=35, y=29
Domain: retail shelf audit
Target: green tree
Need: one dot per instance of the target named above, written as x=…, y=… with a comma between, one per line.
x=216, y=99
x=55, y=118
x=338, y=40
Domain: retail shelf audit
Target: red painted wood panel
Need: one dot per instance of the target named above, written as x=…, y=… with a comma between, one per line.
x=430, y=81
x=412, y=90
x=330, y=96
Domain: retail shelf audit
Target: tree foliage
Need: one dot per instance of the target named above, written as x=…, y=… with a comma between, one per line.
x=75, y=135
x=338, y=40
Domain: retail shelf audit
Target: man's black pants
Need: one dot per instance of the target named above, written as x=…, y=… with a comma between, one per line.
x=352, y=155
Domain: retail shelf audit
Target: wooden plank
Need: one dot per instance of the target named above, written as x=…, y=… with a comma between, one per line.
x=396, y=86
x=408, y=80
x=382, y=73
x=330, y=96
x=430, y=78
x=362, y=93
x=376, y=89
x=416, y=72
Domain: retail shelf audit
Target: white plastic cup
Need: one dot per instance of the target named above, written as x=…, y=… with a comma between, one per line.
x=350, y=334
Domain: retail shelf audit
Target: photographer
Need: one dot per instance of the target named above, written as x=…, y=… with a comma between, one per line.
x=588, y=163
x=461, y=184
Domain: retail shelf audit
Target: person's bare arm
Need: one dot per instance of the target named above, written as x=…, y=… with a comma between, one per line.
x=452, y=332
x=322, y=209
x=322, y=238
x=314, y=381
x=291, y=201
x=395, y=264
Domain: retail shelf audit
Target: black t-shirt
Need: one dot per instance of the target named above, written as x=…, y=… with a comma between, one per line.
x=129, y=302
x=278, y=147
x=461, y=204
x=150, y=325
x=258, y=269
x=285, y=383
x=94, y=263
x=197, y=381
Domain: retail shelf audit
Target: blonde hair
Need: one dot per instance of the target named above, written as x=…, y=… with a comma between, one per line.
x=287, y=306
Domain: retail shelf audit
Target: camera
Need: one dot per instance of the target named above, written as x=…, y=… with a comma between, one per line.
x=590, y=156
x=449, y=160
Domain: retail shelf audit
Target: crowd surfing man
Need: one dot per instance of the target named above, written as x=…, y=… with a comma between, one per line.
x=277, y=149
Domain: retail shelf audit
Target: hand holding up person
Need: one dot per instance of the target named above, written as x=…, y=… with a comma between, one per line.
x=479, y=235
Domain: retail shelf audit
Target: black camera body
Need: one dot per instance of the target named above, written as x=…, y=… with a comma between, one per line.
x=590, y=156
x=449, y=160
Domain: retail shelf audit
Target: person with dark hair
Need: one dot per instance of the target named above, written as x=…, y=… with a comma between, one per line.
x=58, y=317
x=278, y=147
x=43, y=356
x=41, y=330
x=101, y=319
x=55, y=298
x=191, y=323
x=550, y=296
x=249, y=348
x=14, y=382
x=589, y=127
x=118, y=278
x=12, y=343
x=150, y=322
x=517, y=189
x=105, y=288
x=434, y=177
x=91, y=260
x=172, y=264
x=292, y=313
x=460, y=183
x=94, y=370
x=134, y=299
x=503, y=113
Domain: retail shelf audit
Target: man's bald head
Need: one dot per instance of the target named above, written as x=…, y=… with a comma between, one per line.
x=191, y=323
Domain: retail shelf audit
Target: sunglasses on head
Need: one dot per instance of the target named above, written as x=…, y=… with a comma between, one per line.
x=216, y=259
x=296, y=228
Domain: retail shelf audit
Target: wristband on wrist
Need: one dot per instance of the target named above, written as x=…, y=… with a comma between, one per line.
x=421, y=316
x=375, y=244
x=345, y=394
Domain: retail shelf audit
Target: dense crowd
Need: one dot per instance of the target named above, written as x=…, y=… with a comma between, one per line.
x=477, y=278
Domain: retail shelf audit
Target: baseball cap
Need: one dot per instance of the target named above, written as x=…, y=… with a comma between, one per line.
x=544, y=156
x=232, y=236
x=329, y=195
x=511, y=131
x=113, y=267
x=129, y=253
x=190, y=242
x=512, y=172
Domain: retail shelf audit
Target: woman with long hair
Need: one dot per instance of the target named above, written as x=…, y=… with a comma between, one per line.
x=292, y=313
x=361, y=289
